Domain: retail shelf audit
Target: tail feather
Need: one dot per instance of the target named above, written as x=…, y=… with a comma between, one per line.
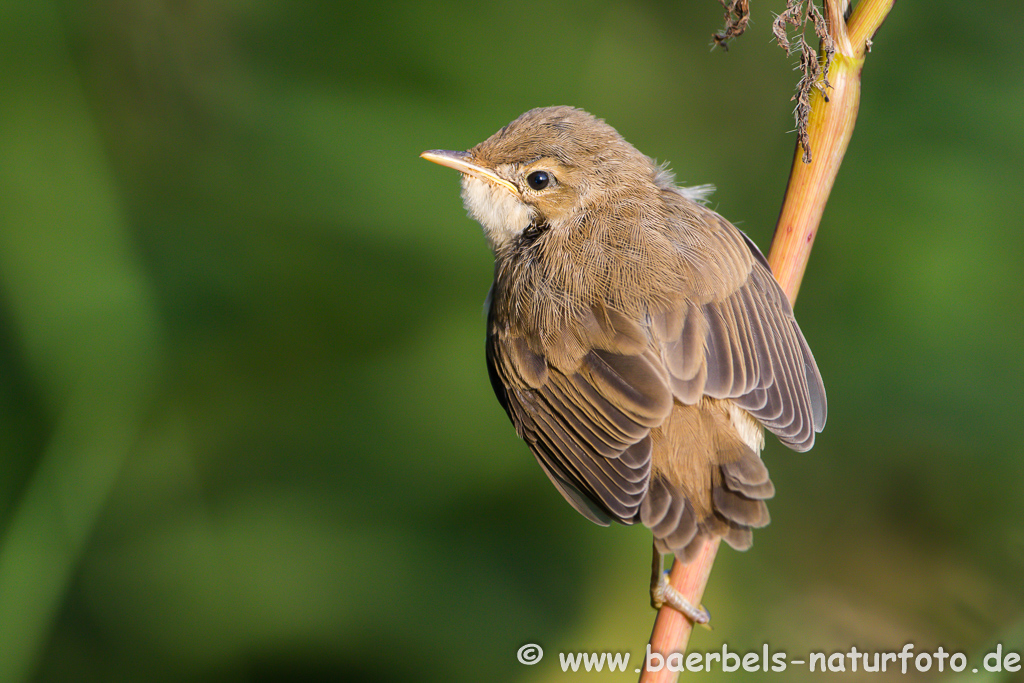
x=748, y=476
x=737, y=507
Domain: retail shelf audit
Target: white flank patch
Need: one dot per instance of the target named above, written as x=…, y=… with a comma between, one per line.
x=747, y=427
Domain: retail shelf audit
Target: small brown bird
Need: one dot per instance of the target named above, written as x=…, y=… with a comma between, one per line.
x=636, y=339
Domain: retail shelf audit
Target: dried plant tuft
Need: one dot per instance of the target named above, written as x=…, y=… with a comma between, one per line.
x=790, y=30
x=737, y=16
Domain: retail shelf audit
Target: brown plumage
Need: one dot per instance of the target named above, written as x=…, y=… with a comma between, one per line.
x=636, y=339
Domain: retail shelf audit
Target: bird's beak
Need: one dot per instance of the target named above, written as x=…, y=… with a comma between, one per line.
x=460, y=162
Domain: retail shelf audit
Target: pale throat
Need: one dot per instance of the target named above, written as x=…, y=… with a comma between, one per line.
x=502, y=214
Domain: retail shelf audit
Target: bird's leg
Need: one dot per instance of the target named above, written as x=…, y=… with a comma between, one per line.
x=663, y=593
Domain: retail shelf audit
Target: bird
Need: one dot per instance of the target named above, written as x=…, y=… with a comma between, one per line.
x=636, y=339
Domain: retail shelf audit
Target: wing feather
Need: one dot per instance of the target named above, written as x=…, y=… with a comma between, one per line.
x=589, y=428
x=752, y=350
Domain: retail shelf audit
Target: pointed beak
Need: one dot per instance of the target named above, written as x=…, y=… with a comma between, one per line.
x=460, y=162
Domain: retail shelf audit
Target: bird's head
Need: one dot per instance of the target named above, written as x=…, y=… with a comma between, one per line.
x=540, y=171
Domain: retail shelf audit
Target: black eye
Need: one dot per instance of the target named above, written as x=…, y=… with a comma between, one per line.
x=538, y=180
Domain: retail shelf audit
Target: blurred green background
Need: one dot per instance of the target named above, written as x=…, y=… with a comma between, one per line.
x=245, y=423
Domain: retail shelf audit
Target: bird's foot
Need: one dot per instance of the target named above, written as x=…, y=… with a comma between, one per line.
x=663, y=593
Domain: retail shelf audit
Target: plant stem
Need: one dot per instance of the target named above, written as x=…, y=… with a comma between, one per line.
x=829, y=130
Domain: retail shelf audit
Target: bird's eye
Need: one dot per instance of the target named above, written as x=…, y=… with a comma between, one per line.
x=538, y=180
